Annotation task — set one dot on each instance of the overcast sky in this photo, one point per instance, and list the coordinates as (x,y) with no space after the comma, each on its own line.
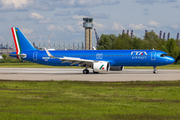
(62,19)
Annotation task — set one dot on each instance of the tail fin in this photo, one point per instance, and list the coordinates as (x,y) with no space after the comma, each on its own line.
(20,41)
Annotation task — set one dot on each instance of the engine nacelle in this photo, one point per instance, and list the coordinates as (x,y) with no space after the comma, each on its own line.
(101,66)
(116,68)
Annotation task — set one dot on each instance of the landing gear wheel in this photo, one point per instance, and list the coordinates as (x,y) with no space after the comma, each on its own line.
(95,72)
(155,72)
(85,71)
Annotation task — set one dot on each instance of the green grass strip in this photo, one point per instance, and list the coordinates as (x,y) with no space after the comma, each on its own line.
(89,100)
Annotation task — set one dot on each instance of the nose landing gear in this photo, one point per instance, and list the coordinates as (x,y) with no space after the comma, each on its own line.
(155,71)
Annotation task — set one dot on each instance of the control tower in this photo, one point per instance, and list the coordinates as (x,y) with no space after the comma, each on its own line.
(88,24)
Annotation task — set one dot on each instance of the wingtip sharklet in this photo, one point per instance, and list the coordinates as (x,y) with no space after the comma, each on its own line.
(48,53)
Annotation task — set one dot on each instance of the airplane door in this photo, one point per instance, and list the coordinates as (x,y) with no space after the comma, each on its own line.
(99,56)
(153,55)
(35,56)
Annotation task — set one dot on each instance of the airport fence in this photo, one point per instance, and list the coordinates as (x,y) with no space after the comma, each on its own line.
(7,48)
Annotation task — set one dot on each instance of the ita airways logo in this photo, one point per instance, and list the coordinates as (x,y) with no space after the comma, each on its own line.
(102,67)
(139,54)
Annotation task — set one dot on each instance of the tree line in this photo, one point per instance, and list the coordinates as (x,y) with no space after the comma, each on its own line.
(150,41)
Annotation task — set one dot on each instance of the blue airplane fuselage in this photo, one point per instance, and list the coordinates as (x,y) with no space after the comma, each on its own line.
(114,57)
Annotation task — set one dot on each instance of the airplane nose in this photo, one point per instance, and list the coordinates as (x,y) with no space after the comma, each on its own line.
(171,60)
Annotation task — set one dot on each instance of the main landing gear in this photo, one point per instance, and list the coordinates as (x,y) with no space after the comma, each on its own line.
(85,71)
(155,71)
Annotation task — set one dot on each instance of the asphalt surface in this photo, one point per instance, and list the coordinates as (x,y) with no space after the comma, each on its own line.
(48,74)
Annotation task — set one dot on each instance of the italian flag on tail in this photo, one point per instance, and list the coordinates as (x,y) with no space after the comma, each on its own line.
(16,41)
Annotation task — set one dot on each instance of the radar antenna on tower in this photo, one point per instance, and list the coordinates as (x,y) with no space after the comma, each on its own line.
(49,42)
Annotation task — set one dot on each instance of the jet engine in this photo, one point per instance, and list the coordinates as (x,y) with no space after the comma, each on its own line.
(101,66)
(116,68)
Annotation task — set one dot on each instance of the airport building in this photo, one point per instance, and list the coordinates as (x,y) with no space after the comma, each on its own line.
(88,25)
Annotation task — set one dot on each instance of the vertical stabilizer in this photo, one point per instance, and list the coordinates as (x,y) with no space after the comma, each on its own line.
(21,42)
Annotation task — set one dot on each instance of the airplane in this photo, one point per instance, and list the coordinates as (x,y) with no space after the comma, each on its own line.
(99,60)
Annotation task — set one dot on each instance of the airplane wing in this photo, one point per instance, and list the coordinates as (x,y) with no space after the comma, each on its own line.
(72,60)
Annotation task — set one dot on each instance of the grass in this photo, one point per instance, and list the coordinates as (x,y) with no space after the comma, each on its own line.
(89,100)
(34,65)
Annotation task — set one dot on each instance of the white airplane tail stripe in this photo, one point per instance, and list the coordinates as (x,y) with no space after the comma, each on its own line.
(16,41)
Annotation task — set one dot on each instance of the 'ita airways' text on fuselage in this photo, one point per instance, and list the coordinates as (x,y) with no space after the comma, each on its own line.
(98,60)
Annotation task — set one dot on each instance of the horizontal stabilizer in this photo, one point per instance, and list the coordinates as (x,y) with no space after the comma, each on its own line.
(19,55)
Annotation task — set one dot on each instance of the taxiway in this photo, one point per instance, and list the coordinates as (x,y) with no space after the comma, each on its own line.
(48,74)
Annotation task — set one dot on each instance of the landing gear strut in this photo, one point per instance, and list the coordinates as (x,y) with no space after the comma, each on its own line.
(155,71)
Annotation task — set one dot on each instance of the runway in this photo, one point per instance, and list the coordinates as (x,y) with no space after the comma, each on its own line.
(57,74)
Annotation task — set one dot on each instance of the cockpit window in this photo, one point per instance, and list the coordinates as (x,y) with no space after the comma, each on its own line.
(164,55)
